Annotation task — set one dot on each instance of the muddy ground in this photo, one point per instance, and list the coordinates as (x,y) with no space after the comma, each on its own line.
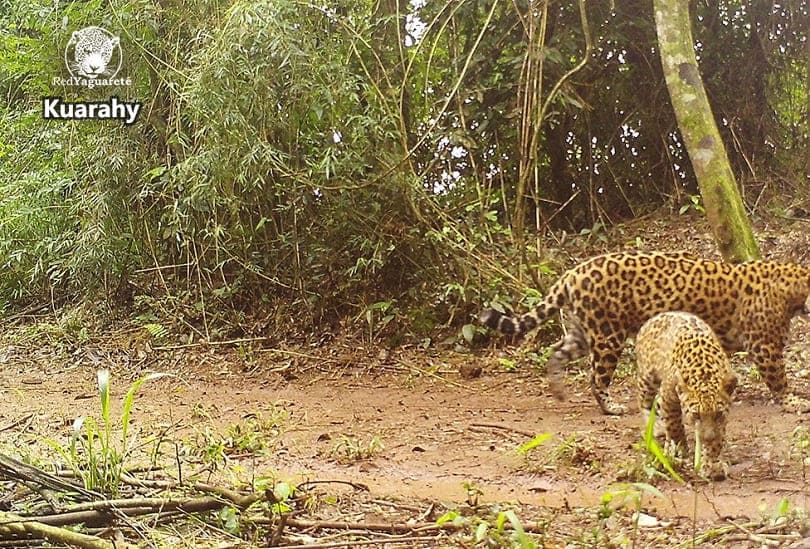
(409,428)
(387,436)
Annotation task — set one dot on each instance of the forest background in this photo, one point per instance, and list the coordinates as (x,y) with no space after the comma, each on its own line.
(385,164)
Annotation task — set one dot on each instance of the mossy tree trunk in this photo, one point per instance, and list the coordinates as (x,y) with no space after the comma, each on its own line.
(721,197)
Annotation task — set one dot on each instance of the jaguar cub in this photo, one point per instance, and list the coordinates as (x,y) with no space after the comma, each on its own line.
(680,354)
(607,298)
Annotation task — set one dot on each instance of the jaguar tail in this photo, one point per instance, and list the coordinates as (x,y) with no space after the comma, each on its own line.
(556,297)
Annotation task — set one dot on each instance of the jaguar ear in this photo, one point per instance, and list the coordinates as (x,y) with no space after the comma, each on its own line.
(730,383)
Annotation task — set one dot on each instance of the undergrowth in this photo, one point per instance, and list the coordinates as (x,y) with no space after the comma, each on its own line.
(100,449)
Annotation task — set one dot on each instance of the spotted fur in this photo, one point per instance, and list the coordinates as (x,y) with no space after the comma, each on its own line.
(92,51)
(606,299)
(680,354)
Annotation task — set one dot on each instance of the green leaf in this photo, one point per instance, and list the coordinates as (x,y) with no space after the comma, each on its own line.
(500,520)
(155,173)
(508,364)
(229,518)
(103,378)
(519,532)
(468,332)
(783,507)
(481,531)
(533,443)
(128,401)
(283,491)
(654,448)
(449,516)
(158,331)
(647,488)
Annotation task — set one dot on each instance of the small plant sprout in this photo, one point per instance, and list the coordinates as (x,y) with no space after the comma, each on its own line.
(378,315)
(453,517)
(96,453)
(783,512)
(504,530)
(157,331)
(624,495)
(540,439)
(800,448)
(349,449)
(498,535)
(279,494)
(527,451)
(256,434)
(473,493)
(693,204)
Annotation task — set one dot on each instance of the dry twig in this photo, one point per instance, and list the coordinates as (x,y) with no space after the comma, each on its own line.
(15,525)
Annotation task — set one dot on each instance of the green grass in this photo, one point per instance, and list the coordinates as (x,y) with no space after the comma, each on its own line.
(99,449)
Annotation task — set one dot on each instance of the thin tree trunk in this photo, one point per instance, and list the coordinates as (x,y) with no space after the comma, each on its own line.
(389,35)
(807,105)
(721,196)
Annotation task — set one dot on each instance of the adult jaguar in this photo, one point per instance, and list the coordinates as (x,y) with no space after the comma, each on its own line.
(607,298)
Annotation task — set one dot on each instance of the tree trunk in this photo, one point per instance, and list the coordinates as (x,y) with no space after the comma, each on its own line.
(389,36)
(807,106)
(721,197)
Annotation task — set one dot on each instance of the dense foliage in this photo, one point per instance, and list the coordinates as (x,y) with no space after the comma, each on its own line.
(345,157)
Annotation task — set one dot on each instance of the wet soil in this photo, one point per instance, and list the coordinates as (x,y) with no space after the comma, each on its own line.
(404,429)
(408,427)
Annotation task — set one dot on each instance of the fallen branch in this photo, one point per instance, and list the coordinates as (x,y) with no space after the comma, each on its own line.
(14,525)
(356,485)
(14,469)
(98,513)
(765,535)
(763,540)
(209,343)
(428,373)
(17,422)
(390,528)
(367,542)
(505,428)
(239,499)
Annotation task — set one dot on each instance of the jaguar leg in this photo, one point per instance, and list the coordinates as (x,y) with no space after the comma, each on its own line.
(711,427)
(672,414)
(648,384)
(571,347)
(603,366)
(769,360)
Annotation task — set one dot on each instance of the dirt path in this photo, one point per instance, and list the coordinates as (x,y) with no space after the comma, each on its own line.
(427,433)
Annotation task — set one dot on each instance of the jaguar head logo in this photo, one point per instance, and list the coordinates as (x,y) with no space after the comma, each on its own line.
(93,52)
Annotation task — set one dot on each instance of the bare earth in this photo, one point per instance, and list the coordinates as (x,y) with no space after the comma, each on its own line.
(415,438)
(438,433)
